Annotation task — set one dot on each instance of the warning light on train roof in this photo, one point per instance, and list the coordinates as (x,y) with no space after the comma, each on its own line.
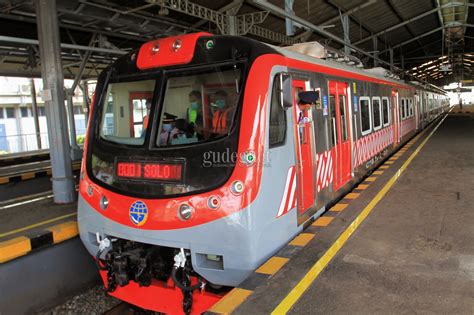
(155,48)
(210,44)
(170,51)
(177,45)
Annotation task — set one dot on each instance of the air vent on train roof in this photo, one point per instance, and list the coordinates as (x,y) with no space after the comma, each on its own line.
(320,51)
(383,72)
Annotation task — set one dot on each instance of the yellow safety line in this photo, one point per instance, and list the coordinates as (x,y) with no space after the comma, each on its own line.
(339,207)
(302,239)
(13,248)
(272,265)
(323,221)
(64,231)
(318,267)
(231,301)
(37,224)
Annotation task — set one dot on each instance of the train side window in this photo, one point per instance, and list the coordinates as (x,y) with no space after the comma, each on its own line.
(332,106)
(407,112)
(402,109)
(1,113)
(377,112)
(411,107)
(277,132)
(342,110)
(386,111)
(365,115)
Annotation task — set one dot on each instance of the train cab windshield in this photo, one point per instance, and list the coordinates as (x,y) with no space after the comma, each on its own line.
(197,106)
(166,122)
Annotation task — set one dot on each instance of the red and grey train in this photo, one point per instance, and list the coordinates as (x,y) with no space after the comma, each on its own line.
(175,209)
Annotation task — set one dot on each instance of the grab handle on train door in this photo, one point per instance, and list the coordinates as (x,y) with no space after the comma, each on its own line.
(334,131)
(355,127)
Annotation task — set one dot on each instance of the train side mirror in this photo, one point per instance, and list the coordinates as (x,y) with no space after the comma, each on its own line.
(284,88)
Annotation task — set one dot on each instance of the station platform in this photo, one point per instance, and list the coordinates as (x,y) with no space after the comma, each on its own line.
(33,224)
(400,242)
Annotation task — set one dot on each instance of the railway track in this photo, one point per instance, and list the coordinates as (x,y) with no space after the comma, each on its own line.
(127,309)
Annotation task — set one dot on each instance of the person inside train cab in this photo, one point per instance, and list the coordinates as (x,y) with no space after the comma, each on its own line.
(194,112)
(168,129)
(222,116)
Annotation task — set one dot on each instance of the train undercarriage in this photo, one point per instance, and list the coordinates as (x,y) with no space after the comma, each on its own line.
(155,278)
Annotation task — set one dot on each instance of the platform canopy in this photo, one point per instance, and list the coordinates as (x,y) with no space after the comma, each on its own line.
(430,39)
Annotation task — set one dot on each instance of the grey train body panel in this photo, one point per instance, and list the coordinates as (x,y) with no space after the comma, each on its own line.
(249,237)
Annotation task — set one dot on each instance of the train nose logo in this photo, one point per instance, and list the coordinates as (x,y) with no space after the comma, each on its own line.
(138,213)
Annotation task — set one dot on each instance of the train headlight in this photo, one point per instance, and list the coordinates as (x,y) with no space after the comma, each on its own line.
(214,202)
(155,49)
(185,212)
(237,187)
(104,203)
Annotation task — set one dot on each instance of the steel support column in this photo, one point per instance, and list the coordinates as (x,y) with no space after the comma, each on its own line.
(34,107)
(375,42)
(53,95)
(391,58)
(347,39)
(76,152)
(85,95)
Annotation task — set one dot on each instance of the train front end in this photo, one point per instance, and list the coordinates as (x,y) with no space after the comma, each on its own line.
(173,163)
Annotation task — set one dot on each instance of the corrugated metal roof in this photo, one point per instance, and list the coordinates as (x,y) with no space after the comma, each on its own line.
(126,31)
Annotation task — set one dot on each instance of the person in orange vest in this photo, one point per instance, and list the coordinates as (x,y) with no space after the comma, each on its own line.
(222,116)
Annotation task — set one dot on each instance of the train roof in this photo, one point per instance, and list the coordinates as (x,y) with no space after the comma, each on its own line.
(288,52)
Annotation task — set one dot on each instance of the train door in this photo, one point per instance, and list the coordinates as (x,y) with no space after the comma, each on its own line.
(342,155)
(304,136)
(415,111)
(396,117)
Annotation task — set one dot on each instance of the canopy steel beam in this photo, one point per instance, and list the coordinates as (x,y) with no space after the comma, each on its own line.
(353,10)
(36,42)
(65,24)
(352,17)
(414,39)
(113,8)
(281,12)
(407,27)
(410,20)
(245,23)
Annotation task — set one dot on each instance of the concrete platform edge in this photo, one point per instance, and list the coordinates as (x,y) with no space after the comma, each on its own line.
(46,278)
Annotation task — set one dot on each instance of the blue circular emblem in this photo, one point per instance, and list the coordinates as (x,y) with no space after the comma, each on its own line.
(138,213)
